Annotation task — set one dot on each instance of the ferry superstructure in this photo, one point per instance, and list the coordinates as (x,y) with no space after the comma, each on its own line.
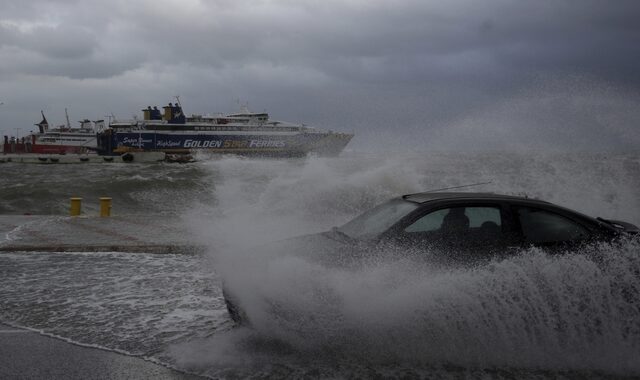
(246,133)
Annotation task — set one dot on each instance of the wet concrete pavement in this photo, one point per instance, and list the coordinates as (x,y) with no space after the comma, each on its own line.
(26,354)
(132,233)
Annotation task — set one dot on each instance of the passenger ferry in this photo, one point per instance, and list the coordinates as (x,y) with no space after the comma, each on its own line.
(58,140)
(245,133)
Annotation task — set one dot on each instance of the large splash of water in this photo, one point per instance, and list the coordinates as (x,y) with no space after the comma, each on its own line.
(533,310)
(576,311)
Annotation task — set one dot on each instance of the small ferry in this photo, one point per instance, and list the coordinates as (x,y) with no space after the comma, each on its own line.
(58,140)
(245,133)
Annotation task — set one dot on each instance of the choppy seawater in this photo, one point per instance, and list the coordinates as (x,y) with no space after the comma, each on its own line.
(534,315)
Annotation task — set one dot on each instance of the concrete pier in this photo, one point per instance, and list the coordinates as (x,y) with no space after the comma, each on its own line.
(132,233)
(32,158)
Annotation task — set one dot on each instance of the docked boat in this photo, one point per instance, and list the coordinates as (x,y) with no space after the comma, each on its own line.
(245,133)
(58,140)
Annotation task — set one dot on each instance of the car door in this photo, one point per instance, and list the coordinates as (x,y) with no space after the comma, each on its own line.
(553,230)
(458,232)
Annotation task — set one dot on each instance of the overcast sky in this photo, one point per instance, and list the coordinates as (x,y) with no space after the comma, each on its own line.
(422,74)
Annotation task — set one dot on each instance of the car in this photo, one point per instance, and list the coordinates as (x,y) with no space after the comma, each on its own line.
(451,228)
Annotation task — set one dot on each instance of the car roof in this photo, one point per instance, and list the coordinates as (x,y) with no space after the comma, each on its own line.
(437,196)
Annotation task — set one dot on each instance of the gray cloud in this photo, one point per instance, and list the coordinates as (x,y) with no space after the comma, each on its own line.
(62,42)
(421,66)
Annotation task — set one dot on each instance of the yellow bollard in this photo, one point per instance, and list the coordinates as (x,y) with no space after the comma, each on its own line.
(76,205)
(105,207)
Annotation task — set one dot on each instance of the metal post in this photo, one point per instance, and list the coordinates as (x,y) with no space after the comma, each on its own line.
(76,205)
(105,207)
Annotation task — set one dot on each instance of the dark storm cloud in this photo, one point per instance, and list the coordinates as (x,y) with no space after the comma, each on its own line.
(385,61)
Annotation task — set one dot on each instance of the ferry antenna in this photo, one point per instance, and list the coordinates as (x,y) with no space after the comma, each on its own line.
(66,115)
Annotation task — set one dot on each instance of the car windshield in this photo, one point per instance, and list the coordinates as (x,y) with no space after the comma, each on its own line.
(377,220)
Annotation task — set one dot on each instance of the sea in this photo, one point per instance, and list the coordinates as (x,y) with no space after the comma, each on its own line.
(530,316)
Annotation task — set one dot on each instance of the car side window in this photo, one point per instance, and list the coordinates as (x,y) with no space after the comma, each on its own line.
(429,222)
(483,215)
(459,225)
(541,226)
